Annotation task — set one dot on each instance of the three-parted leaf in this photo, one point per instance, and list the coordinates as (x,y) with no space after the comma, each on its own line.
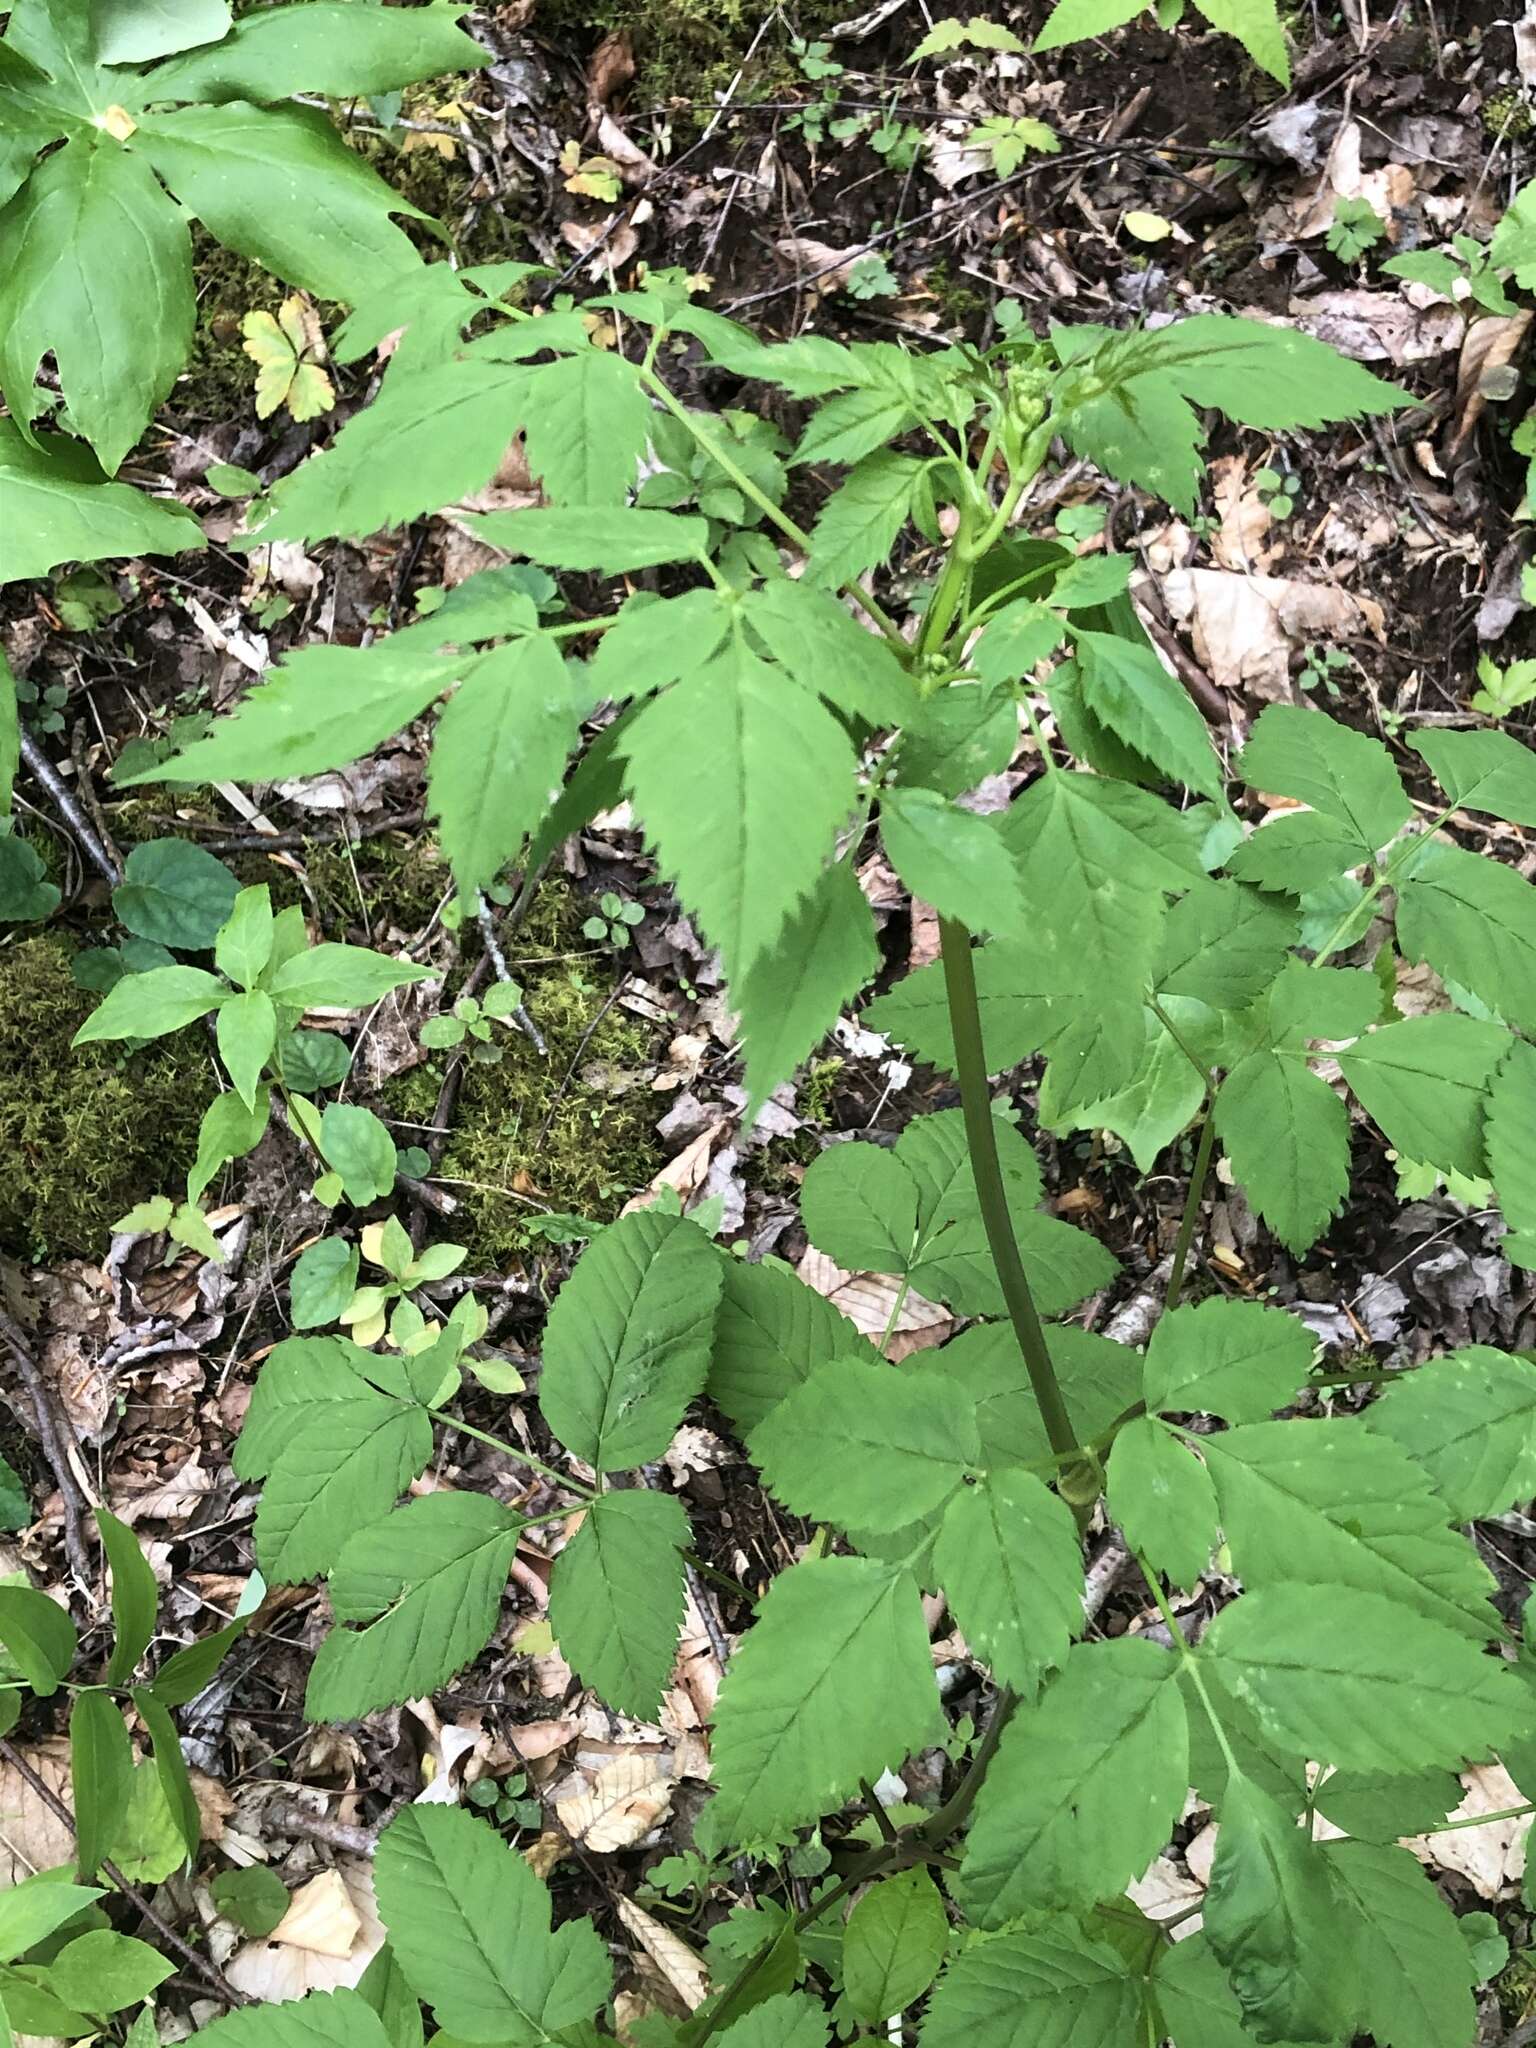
(626,1346)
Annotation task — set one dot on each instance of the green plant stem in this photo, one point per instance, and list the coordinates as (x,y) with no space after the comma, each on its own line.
(1190,1662)
(949,591)
(738,476)
(1191,1216)
(1480,1820)
(952,1815)
(515,1451)
(981,1137)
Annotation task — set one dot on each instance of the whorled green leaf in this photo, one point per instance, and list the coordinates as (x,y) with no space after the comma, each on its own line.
(153,1004)
(39,1635)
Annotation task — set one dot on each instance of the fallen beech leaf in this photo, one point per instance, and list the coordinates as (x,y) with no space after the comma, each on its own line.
(1245,627)
(627,1799)
(32,1837)
(672,1956)
(278,1969)
(867,1299)
(1492,1857)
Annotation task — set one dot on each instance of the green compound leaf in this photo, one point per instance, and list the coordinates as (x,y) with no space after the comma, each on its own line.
(1085,1787)
(1294,852)
(135,1597)
(786,1750)
(859,1206)
(1346,775)
(1415,1969)
(1126,687)
(893,1945)
(336,1451)
(1099,1381)
(793,995)
(1194,1998)
(1155,1105)
(1048,1987)
(470,1926)
(320,48)
(1470,1421)
(815,641)
(279,185)
(1236,1359)
(771,1332)
(952,859)
(1491,772)
(1223,946)
(1383,1806)
(1353,1679)
(616,1598)
(1096,856)
(595,537)
(957,738)
(325,2019)
(432,436)
(1257,26)
(1162,1498)
(788,2020)
(1425,1082)
(99,269)
(1009,1560)
(626,1346)
(1511,1117)
(426,1584)
(743,784)
(498,757)
(860,521)
(1271,1918)
(1287,1135)
(587,427)
(867,1445)
(1332,1503)
(1474,921)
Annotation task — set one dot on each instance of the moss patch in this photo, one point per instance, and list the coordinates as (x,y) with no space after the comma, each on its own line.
(598,1147)
(692,49)
(84,1135)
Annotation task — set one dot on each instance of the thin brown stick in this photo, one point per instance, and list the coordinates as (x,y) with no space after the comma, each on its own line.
(51,1435)
(208,1971)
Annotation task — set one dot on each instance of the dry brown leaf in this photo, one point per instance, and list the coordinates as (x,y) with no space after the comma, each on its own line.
(1245,627)
(1163,1890)
(1385,189)
(1490,348)
(1492,1857)
(673,1957)
(686,1173)
(626,1800)
(1238,543)
(32,1837)
(867,1299)
(279,1969)
(321,1917)
(1376,327)
(535,1739)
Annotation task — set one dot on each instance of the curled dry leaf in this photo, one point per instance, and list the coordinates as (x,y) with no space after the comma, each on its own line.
(282,1968)
(1376,327)
(1245,627)
(1491,1857)
(628,1797)
(867,1299)
(32,1837)
(681,1968)
(1485,365)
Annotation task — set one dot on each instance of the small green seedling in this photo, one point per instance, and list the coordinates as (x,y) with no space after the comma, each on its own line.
(615,920)
(472,1018)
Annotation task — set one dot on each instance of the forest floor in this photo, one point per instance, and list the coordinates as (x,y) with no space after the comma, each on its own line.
(819,181)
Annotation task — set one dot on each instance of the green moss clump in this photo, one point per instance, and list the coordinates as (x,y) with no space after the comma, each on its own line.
(692,49)
(84,1135)
(499,1161)
(1507,113)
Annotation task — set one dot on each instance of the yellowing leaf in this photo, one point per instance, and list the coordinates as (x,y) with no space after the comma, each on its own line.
(288,352)
(1147,227)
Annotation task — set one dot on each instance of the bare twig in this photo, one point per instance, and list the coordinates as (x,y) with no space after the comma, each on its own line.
(208,1971)
(52,1436)
(62,797)
(520,1016)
